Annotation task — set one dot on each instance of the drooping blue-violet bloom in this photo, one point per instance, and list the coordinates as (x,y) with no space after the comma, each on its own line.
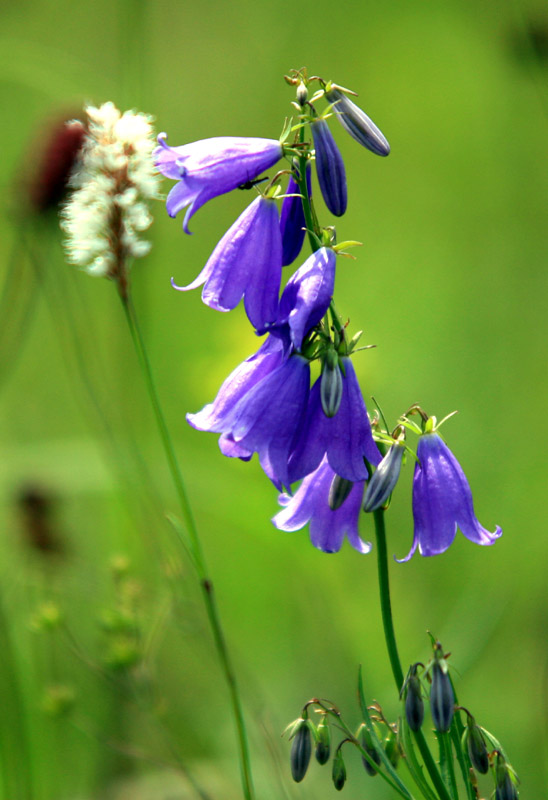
(442,501)
(210,167)
(310,504)
(217,416)
(247,262)
(357,123)
(305,298)
(292,221)
(346,438)
(329,167)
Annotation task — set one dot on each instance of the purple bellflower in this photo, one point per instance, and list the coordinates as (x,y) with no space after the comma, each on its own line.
(305,298)
(330,168)
(357,123)
(345,438)
(246,262)
(292,221)
(442,501)
(210,167)
(218,415)
(310,505)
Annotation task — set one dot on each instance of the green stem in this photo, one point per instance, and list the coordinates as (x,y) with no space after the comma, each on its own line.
(390,637)
(198,558)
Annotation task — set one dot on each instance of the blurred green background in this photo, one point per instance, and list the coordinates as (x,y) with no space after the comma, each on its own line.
(451,285)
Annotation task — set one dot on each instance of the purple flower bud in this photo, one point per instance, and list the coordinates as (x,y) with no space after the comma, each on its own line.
(338,773)
(384,478)
(301,751)
(505,787)
(371,750)
(477,749)
(210,167)
(442,501)
(330,168)
(310,505)
(357,123)
(346,438)
(331,387)
(247,262)
(414,704)
(292,221)
(338,492)
(442,699)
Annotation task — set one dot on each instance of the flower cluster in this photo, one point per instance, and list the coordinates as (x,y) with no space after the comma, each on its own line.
(319,434)
(113,181)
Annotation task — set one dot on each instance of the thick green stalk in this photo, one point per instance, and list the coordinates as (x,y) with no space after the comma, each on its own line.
(197,553)
(390,637)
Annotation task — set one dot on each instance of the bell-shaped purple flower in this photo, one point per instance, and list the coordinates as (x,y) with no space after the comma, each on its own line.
(357,123)
(346,438)
(267,418)
(330,168)
(247,263)
(218,415)
(305,298)
(310,505)
(442,501)
(210,167)
(292,221)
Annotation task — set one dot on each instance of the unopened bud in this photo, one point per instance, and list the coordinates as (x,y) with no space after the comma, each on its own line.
(371,750)
(339,771)
(442,699)
(302,94)
(323,742)
(392,748)
(357,123)
(384,479)
(477,749)
(301,751)
(331,387)
(414,704)
(338,492)
(330,168)
(505,787)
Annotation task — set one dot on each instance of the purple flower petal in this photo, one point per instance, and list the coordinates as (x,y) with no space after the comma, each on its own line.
(247,262)
(217,416)
(442,501)
(310,504)
(346,438)
(267,417)
(211,167)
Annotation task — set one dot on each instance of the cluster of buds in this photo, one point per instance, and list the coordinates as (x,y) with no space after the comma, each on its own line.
(376,740)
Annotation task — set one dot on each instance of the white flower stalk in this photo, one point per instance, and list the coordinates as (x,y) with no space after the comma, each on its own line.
(113,181)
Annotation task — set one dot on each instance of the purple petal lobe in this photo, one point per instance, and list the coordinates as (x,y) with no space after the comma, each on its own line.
(310,505)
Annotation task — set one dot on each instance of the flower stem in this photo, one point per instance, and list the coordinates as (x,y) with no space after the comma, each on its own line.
(197,553)
(390,637)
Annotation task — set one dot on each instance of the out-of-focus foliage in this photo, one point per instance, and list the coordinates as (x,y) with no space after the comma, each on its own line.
(451,285)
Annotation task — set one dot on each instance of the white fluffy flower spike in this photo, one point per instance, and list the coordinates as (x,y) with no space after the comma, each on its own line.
(113,181)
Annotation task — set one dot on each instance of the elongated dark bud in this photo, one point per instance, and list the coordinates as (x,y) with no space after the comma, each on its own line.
(301,751)
(357,123)
(442,699)
(323,742)
(330,168)
(338,492)
(371,750)
(505,787)
(414,704)
(338,774)
(331,386)
(384,479)
(477,749)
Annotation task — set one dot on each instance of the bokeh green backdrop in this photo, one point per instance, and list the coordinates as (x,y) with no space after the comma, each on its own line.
(450,284)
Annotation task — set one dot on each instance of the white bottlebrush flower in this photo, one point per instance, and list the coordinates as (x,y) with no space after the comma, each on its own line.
(114,179)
